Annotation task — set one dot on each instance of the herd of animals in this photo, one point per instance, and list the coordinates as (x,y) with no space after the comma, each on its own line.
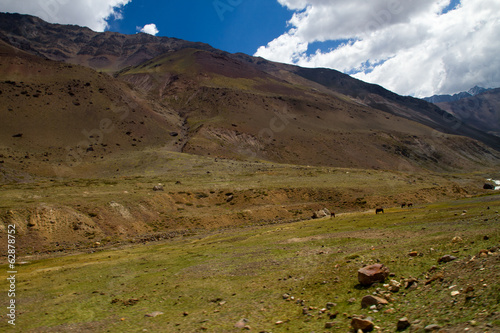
(325,212)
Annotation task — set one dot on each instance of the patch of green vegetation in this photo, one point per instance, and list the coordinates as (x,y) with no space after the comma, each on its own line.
(210,281)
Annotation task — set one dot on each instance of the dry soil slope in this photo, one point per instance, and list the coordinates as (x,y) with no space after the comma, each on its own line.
(234,109)
(238,106)
(57,116)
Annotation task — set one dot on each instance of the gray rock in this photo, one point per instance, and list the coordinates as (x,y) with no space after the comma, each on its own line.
(446,258)
(431,328)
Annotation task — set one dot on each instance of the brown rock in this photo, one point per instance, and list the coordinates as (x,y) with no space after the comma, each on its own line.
(374,273)
(403,324)
(365,325)
(370,300)
(438,276)
(329,325)
(413,254)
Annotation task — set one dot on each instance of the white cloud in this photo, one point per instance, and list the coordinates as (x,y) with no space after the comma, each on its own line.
(89,13)
(407,46)
(149,29)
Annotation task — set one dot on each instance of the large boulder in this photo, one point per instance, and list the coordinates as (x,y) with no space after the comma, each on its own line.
(369,275)
(489,186)
(321,213)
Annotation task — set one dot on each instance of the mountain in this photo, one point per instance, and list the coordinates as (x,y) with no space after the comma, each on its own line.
(452,98)
(481,111)
(65,116)
(107,51)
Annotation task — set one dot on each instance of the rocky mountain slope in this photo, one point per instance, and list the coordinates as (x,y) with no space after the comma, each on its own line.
(168,94)
(481,111)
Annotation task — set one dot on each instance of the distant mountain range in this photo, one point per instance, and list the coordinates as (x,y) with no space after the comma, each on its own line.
(73,97)
(452,98)
(481,109)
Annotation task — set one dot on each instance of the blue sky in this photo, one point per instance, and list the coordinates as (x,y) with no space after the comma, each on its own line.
(412,47)
(233,28)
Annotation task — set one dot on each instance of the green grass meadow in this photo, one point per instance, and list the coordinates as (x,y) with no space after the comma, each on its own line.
(209,281)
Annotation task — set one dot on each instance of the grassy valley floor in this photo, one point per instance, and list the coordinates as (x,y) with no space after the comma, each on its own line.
(277,278)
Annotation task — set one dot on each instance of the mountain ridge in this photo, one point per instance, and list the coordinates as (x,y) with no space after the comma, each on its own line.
(476,90)
(212,103)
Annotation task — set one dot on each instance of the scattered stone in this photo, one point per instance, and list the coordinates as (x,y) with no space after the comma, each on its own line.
(411,283)
(413,254)
(153,314)
(446,258)
(433,327)
(371,274)
(279,322)
(370,300)
(483,253)
(158,187)
(333,315)
(129,302)
(364,325)
(469,289)
(330,305)
(185,313)
(351,300)
(403,324)
(438,276)
(394,286)
(457,239)
(329,325)
(286,296)
(241,323)
(321,213)
(455,293)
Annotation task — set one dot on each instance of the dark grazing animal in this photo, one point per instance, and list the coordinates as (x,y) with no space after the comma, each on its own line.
(410,205)
(379,210)
(403,205)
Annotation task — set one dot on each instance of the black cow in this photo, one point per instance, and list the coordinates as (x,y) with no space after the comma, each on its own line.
(379,210)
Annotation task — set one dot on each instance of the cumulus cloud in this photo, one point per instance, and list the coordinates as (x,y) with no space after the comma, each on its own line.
(412,47)
(89,13)
(149,29)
